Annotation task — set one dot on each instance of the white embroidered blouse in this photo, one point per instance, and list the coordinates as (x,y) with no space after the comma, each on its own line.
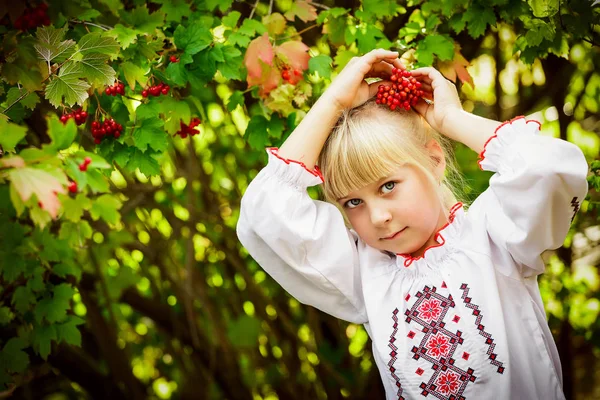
(466,320)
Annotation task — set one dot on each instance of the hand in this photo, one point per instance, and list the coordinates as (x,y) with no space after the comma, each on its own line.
(349,89)
(442,92)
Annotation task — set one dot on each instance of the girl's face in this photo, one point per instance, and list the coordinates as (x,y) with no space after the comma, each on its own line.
(400,213)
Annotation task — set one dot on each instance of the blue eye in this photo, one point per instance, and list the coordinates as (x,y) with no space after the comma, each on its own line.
(352,203)
(389,185)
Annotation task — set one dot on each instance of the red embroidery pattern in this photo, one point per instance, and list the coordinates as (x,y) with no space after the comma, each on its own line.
(394,353)
(575,205)
(438,346)
(488,338)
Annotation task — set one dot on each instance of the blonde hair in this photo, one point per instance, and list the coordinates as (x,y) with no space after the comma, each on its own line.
(370,142)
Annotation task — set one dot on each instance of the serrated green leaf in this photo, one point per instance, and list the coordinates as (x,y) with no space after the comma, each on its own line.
(42,337)
(544,8)
(14,359)
(478,18)
(6,315)
(148,110)
(10,135)
(144,161)
(29,78)
(68,331)
(30,100)
(174,111)
(50,45)
(193,39)
(106,207)
(236,99)
(95,69)
(68,85)
(74,207)
(13,269)
(22,298)
(238,39)
(250,27)
(68,267)
(151,133)
(175,10)
(141,19)
(134,74)
(231,19)
(89,15)
(125,36)
(177,73)
(96,42)
(97,182)
(256,132)
(320,64)
(62,135)
(439,45)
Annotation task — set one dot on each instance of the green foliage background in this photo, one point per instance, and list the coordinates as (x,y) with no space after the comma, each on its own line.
(136,286)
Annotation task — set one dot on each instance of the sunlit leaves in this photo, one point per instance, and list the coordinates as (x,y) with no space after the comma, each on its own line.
(303,10)
(10,134)
(144,21)
(50,45)
(478,18)
(134,73)
(150,133)
(106,207)
(439,45)
(62,135)
(192,39)
(68,85)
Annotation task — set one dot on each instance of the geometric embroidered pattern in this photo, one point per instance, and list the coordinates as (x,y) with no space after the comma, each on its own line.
(394,353)
(575,205)
(488,338)
(438,346)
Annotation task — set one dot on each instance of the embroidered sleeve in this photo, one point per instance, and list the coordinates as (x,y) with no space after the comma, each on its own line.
(302,243)
(535,192)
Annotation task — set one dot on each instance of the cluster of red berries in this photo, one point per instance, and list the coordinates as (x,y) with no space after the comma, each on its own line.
(292,76)
(78,115)
(174,59)
(156,90)
(84,165)
(33,17)
(115,89)
(73,185)
(189,129)
(404,92)
(107,128)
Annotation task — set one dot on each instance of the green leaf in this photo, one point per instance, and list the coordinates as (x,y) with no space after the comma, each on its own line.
(439,45)
(67,85)
(367,38)
(177,73)
(148,110)
(62,135)
(95,69)
(106,207)
(144,161)
(238,39)
(175,10)
(14,359)
(478,18)
(30,100)
(22,298)
(133,74)
(151,133)
(29,78)
(320,64)
(68,267)
(97,182)
(231,19)
(11,271)
(10,135)
(250,27)
(175,111)
(276,126)
(125,36)
(193,39)
(544,8)
(380,8)
(89,15)
(236,99)
(68,331)
(96,42)
(50,45)
(42,337)
(74,207)
(6,316)
(75,234)
(141,19)
(256,132)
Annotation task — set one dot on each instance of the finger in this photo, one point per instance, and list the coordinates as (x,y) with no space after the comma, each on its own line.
(378,55)
(381,69)
(428,95)
(430,75)
(426,87)
(374,87)
(421,107)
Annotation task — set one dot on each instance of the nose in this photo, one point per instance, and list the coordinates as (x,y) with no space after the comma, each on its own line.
(380,216)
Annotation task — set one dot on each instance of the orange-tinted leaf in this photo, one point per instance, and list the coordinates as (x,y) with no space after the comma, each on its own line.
(460,65)
(303,10)
(447,69)
(28,181)
(295,54)
(275,23)
(259,53)
(15,162)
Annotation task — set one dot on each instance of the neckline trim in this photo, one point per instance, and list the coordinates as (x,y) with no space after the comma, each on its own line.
(409,259)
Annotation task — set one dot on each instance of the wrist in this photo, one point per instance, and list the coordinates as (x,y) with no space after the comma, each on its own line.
(471,130)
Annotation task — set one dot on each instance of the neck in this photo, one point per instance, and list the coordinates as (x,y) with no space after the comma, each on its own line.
(442,221)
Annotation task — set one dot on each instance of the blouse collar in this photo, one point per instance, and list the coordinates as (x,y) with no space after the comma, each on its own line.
(445,234)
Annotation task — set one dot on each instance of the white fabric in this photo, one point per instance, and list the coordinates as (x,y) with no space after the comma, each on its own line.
(480,285)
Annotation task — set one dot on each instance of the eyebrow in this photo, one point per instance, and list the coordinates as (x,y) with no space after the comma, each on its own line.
(379,183)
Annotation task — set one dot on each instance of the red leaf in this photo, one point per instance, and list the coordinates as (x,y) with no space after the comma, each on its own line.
(259,53)
(295,54)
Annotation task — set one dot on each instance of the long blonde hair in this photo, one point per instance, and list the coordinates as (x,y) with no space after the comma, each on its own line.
(370,142)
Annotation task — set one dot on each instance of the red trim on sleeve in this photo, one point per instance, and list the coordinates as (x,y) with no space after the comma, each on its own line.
(482,154)
(408,259)
(316,171)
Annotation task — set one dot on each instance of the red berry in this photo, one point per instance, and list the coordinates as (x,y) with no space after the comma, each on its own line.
(144,93)
(285,74)
(64,119)
(87,161)
(73,187)
(165,90)
(173,59)
(83,167)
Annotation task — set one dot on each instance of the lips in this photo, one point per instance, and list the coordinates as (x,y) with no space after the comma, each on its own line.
(395,235)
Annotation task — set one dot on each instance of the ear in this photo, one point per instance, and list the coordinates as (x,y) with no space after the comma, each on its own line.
(437,154)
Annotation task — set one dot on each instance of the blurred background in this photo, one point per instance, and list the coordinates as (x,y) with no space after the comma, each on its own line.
(126,280)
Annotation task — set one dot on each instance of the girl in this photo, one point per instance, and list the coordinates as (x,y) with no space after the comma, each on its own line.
(449,298)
